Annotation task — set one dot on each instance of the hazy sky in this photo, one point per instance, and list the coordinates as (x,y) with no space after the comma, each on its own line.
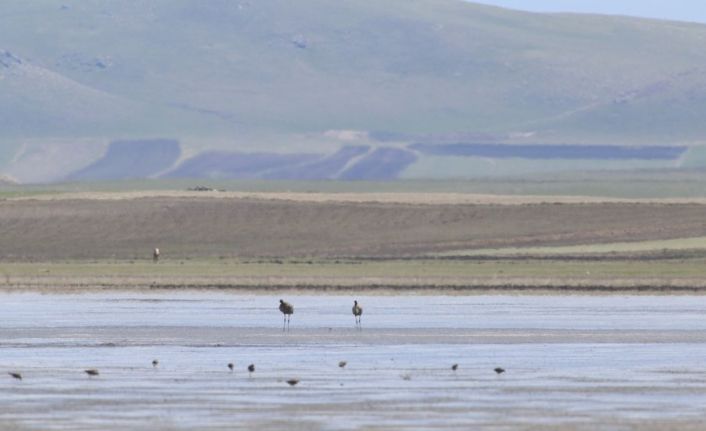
(681,10)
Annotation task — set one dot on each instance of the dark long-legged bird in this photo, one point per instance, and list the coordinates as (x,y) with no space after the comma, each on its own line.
(357,313)
(287,309)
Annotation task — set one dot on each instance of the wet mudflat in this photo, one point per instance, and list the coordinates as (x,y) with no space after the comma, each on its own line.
(572,362)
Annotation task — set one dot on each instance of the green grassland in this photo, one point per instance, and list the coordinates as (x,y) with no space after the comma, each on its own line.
(617,184)
(668,245)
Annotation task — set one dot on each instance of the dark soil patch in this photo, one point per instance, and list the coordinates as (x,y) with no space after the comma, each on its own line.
(538,151)
(188,227)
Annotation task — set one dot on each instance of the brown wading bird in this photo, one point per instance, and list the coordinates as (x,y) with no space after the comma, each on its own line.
(287,309)
(91,372)
(357,313)
(292,382)
(17,376)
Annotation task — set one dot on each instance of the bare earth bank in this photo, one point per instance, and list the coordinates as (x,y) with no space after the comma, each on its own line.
(187,226)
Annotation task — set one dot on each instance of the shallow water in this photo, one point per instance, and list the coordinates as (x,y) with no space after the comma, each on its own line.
(572,361)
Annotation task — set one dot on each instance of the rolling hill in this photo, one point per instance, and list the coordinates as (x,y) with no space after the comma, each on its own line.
(313,77)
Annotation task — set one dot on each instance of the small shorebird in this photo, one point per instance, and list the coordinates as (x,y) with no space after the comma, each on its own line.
(454,367)
(17,376)
(292,382)
(251,368)
(155,362)
(230,366)
(342,364)
(287,309)
(91,372)
(499,370)
(357,313)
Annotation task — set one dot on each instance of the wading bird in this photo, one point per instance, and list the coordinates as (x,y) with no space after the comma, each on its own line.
(155,255)
(251,369)
(357,313)
(287,310)
(454,367)
(17,376)
(230,366)
(155,363)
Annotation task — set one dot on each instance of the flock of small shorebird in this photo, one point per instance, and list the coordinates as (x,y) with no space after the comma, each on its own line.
(287,310)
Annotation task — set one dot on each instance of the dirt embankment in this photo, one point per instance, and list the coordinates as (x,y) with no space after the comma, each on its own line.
(192,227)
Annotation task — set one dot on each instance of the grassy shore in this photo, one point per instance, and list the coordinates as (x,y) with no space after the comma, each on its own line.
(382,242)
(647,184)
(456,275)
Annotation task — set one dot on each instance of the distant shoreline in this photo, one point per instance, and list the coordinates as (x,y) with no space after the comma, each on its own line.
(64,286)
(417,198)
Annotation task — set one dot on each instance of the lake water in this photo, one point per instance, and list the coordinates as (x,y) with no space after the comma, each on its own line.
(572,362)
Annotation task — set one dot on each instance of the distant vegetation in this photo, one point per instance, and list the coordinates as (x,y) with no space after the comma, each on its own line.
(156,159)
(228,165)
(131,159)
(381,164)
(638,184)
(578,152)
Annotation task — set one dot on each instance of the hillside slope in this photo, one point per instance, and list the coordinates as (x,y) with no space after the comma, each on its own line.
(281,75)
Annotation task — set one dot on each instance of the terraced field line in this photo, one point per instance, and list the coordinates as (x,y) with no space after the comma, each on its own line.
(694,243)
